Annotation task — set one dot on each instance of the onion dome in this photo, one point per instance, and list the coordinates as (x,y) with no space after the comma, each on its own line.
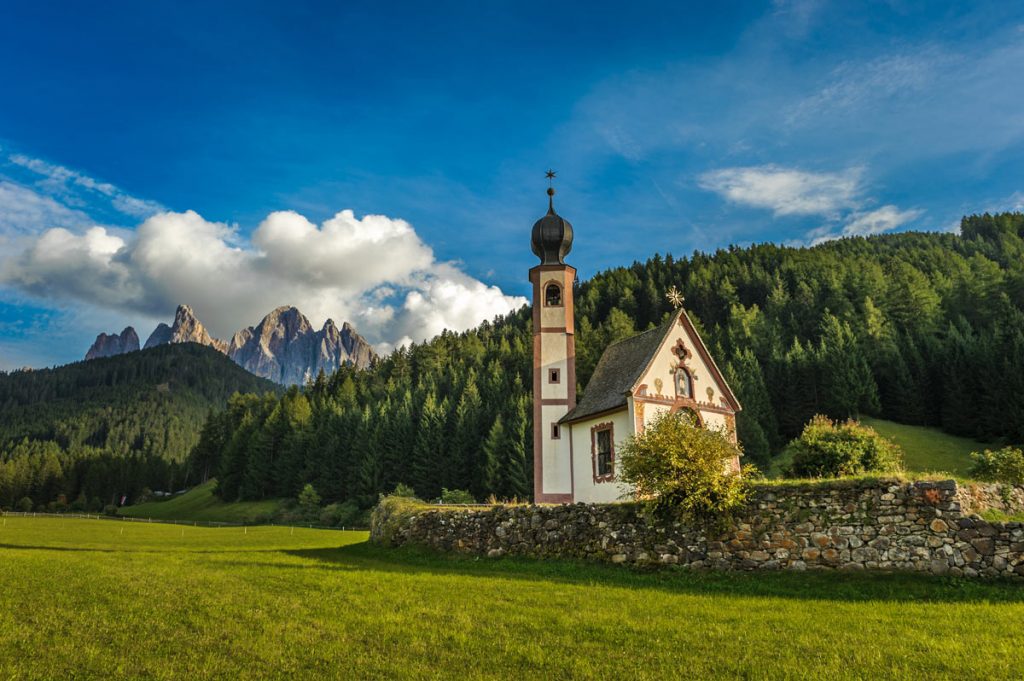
(552,236)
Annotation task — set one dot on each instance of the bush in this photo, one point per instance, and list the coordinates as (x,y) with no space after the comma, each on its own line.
(338,515)
(404,490)
(826,449)
(388,516)
(1003,465)
(80,504)
(678,467)
(456,496)
(25,505)
(110,509)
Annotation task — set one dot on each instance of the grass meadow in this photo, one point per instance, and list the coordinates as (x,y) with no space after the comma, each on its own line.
(199,503)
(928,450)
(116,599)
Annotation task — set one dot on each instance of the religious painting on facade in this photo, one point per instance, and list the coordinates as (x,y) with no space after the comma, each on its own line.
(684,383)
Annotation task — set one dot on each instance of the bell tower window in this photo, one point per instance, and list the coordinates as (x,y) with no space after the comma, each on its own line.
(553,295)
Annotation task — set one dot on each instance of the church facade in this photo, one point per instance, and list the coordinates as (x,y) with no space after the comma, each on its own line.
(667,368)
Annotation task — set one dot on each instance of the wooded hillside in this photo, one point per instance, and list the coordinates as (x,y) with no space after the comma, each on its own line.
(110,426)
(920,328)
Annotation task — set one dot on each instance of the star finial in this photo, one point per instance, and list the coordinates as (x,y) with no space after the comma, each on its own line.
(550,174)
(675,297)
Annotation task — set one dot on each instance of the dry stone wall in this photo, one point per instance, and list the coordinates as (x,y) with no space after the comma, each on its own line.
(876,525)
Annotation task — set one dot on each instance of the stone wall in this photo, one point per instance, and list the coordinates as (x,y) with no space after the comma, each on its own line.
(976,497)
(870,525)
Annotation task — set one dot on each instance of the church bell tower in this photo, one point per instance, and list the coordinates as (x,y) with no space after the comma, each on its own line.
(554,356)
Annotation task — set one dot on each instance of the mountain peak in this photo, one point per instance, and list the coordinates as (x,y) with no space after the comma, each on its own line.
(186,329)
(283,347)
(108,345)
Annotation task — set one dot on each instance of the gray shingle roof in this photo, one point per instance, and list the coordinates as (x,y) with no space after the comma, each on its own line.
(618,370)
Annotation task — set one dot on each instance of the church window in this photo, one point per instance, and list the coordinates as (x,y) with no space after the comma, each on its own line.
(684,383)
(690,414)
(556,431)
(554,376)
(604,452)
(553,295)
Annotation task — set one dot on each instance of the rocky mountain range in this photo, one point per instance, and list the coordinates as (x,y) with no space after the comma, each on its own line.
(283,347)
(108,345)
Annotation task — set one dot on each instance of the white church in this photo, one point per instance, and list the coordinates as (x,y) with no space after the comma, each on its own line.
(667,368)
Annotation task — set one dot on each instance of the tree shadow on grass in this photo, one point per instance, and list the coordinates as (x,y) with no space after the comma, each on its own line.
(811,585)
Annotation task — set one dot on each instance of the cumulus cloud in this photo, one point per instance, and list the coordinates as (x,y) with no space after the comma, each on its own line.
(785,191)
(373,271)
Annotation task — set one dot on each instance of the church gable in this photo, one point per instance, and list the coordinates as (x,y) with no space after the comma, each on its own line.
(682,370)
(616,373)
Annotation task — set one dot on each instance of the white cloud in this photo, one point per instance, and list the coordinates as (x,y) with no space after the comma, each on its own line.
(884,219)
(854,86)
(1017,201)
(865,223)
(373,271)
(66,183)
(24,211)
(785,191)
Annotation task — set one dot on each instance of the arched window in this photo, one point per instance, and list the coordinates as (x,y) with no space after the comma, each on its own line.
(690,414)
(553,295)
(684,383)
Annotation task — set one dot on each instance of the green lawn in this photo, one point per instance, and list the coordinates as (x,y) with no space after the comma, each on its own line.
(929,450)
(199,503)
(110,599)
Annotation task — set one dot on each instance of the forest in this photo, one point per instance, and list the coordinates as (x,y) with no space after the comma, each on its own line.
(919,328)
(91,432)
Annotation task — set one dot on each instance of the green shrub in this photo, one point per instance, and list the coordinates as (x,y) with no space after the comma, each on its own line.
(25,505)
(677,467)
(456,496)
(404,490)
(110,509)
(826,449)
(388,516)
(338,515)
(1002,465)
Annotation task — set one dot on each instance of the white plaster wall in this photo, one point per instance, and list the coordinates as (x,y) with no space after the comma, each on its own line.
(556,462)
(585,489)
(553,352)
(664,360)
(551,317)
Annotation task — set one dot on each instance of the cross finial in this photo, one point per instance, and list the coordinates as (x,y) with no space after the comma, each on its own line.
(675,297)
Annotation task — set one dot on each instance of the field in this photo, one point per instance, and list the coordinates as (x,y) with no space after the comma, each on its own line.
(929,450)
(199,503)
(113,599)
(926,451)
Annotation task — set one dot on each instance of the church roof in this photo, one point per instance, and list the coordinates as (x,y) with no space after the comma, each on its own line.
(618,370)
(625,362)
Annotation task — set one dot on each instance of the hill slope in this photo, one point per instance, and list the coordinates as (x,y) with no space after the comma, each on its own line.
(918,328)
(929,450)
(199,503)
(112,425)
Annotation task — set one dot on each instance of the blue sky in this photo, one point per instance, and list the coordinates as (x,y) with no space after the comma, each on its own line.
(149,152)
